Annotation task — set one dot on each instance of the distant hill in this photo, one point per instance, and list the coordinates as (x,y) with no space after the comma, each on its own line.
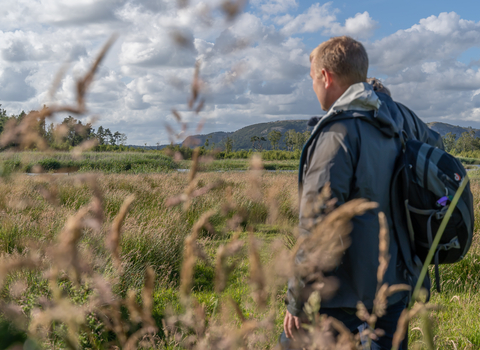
(241,137)
(199,140)
(444,128)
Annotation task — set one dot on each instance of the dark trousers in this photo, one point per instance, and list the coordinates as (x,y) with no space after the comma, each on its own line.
(348,316)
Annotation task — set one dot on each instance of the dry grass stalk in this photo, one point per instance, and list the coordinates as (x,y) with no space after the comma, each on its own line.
(330,237)
(50,194)
(203,222)
(418,308)
(177,115)
(195,164)
(380,303)
(257,276)
(322,203)
(222,268)
(237,309)
(84,84)
(191,192)
(96,203)
(181,40)
(200,125)
(196,85)
(107,307)
(273,205)
(345,340)
(16,262)
(383,257)
(133,309)
(233,8)
(190,254)
(289,239)
(66,253)
(63,311)
(26,134)
(255,178)
(199,107)
(83,147)
(147,297)
(113,239)
(323,249)
(57,80)
(131,343)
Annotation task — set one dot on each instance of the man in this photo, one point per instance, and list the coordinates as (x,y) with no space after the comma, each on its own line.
(354,148)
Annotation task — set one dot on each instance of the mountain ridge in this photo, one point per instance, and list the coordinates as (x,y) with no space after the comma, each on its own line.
(241,137)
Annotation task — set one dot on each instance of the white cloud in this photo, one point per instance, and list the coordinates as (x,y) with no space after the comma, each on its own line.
(315,18)
(253,69)
(14,86)
(72,13)
(422,70)
(272,7)
(360,26)
(434,38)
(323,18)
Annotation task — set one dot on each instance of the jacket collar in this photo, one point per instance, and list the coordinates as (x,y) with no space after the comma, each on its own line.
(360,97)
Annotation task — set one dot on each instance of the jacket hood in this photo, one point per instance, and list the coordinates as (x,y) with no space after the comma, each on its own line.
(360,97)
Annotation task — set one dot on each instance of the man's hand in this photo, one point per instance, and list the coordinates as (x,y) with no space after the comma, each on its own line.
(290,323)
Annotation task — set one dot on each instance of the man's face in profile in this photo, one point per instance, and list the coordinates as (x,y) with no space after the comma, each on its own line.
(318,84)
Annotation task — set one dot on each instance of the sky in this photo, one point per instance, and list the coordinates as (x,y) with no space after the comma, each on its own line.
(253,68)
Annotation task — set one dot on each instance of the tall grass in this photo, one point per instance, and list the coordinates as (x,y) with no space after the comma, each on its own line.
(153,236)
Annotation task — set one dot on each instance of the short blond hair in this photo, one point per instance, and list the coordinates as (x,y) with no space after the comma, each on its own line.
(342,56)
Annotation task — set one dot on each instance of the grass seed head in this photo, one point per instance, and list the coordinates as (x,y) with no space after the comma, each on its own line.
(257,276)
(383,257)
(113,239)
(222,268)
(147,297)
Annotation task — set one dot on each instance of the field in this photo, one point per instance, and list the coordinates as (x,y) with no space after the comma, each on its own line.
(68,162)
(244,209)
(141,162)
(121,162)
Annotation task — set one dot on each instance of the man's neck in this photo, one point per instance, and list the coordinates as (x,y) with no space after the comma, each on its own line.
(334,94)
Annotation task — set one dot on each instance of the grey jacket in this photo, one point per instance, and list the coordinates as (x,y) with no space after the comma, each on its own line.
(354,148)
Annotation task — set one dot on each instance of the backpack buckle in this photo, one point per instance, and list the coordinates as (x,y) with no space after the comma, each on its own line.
(453,244)
(441,213)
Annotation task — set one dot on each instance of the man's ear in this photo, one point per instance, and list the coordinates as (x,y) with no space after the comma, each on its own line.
(327,78)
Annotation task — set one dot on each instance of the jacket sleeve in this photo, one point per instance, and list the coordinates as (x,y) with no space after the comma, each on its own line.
(330,161)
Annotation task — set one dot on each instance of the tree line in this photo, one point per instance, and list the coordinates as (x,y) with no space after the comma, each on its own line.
(69,133)
(467,144)
(294,140)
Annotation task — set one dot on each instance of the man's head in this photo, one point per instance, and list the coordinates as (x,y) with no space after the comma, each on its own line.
(335,65)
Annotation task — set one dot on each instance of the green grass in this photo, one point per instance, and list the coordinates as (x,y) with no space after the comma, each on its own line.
(121,162)
(106,162)
(153,236)
(456,325)
(469,161)
(241,164)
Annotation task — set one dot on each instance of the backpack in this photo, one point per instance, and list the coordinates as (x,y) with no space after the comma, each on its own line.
(424,183)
